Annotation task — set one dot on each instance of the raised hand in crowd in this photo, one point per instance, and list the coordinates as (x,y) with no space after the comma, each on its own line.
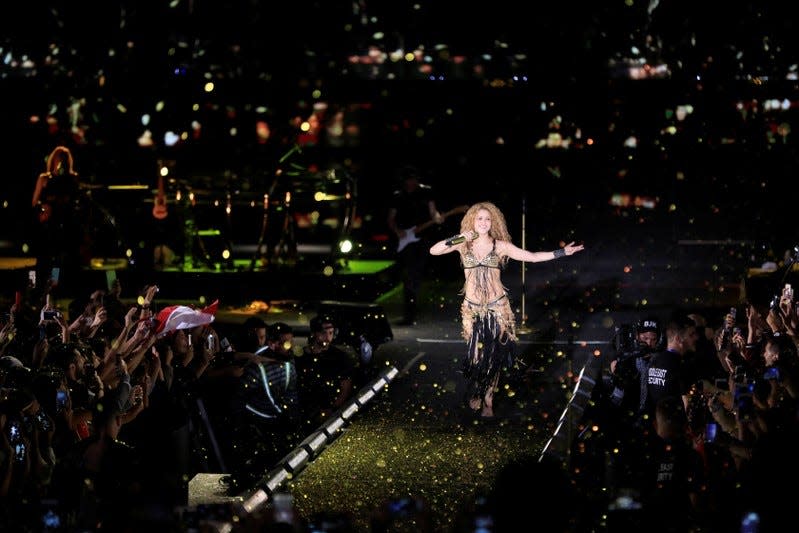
(756,325)
(137,402)
(775,320)
(147,298)
(209,348)
(788,311)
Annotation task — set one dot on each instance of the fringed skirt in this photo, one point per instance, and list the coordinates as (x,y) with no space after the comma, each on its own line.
(490,333)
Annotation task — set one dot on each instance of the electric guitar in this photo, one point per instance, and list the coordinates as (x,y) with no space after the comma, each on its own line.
(412,234)
(159,207)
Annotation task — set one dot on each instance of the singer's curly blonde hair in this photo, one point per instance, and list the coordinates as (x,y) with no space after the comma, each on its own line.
(499,228)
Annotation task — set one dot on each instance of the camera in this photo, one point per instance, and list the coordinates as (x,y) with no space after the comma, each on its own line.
(626,344)
(771,372)
(50,315)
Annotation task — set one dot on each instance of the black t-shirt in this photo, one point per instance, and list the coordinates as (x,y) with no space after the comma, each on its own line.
(676,472)
(320,376)
(665,377)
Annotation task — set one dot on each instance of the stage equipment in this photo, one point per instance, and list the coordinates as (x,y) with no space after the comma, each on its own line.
(293,462)
(523,328)
(559,444)
(315,442)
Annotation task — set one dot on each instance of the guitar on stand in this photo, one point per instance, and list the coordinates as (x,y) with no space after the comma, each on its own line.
(160,211)
(162,255)
(412,234)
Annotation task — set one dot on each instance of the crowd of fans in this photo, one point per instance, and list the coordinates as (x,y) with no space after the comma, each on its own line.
(696,424)
(106,415)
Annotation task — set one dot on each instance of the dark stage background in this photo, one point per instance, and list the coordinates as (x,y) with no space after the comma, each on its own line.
(568,108)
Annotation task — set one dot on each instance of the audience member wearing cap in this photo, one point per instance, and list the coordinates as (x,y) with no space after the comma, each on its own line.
(327,371)
(628,401)
(649,332)
(633,371)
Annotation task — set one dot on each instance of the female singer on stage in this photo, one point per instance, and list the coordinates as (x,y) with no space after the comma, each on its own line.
(489,325)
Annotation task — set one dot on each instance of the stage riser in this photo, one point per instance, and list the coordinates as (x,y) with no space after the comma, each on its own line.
(230,288)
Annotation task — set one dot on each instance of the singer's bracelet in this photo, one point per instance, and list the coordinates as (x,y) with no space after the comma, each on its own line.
(560,252)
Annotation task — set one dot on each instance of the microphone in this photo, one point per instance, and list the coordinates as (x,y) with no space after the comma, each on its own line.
(457,239)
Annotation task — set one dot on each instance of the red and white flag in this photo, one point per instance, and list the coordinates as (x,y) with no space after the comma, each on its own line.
(177,317)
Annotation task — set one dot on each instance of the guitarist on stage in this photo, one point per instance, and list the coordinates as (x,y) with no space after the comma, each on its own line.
(412,205)
(59,239)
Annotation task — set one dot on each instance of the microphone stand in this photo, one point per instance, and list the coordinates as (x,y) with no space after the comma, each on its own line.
(523,327)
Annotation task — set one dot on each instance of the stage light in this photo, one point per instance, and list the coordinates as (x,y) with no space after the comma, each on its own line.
(350,410)
(276,479)
(377,385)
(171,138)
(254,501)
(365,396)
(334,425)
(345,246)
(297,458)
(315,442)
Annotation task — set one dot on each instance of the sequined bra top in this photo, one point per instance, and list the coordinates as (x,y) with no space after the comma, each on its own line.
(491,260)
